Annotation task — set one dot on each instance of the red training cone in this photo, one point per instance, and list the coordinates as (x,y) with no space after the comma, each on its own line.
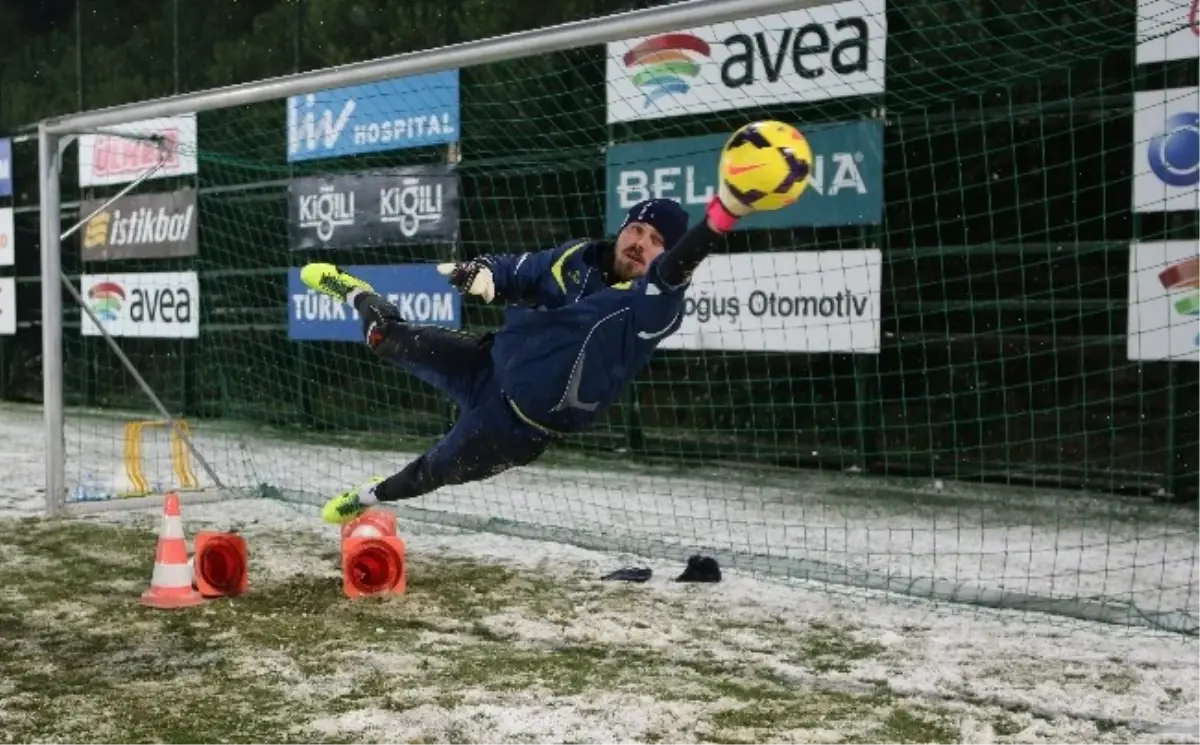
(373,566)
(221,564)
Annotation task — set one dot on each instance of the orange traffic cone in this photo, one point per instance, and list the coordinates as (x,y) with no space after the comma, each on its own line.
(221,564)
(171,583)
(373,566)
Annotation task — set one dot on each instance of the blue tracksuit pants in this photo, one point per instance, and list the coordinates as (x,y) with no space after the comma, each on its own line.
(488,437)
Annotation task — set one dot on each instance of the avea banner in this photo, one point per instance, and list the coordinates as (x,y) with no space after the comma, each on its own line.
(151,305)
(417,290)
(815,54)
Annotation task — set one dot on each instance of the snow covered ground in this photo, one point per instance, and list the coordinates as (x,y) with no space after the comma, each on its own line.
(1048,671)
(1044,543)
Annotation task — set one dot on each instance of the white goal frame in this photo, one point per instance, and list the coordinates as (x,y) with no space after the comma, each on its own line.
(55,134)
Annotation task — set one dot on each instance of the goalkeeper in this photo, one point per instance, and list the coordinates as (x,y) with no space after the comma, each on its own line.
(583,319)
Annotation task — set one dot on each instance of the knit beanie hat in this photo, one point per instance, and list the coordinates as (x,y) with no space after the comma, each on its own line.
(664,215)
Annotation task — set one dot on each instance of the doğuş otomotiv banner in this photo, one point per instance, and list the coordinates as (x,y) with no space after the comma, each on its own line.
(800,301)
(421,294)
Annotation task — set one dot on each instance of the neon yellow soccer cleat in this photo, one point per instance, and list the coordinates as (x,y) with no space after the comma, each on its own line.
(332,281)
(346,506)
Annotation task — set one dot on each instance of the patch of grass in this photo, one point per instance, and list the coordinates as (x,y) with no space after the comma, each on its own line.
(87,662)
(806,715)
(1117,682)
(1006,726)
(46,562)
(909,724)
(563,670)
(826,648)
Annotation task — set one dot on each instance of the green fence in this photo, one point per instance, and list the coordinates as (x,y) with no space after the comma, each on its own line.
(1008,147)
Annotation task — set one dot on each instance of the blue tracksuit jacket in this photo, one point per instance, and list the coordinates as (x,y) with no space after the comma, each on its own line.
(571,343)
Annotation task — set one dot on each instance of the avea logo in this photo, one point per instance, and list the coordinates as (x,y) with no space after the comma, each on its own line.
(106,299)
(1183,281)
(664,64)
(308,129)
(1174,153)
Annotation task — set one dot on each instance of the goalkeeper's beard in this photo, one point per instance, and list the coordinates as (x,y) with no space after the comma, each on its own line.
(625,268)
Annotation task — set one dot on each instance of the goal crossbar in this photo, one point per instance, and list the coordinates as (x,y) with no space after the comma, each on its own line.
(590,32)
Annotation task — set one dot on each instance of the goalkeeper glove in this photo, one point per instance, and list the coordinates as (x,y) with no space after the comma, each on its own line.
(732,205)
(471,277)
(725,209)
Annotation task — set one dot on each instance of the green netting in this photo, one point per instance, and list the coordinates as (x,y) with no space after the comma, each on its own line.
(1000,448)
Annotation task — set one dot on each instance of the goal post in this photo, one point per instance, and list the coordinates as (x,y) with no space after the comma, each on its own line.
(919,383)
(49,163)
(55,134)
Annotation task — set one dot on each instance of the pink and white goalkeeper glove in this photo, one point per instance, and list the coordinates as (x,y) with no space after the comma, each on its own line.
(724,212)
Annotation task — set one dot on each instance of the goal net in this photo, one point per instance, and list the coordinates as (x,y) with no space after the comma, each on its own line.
(961,367)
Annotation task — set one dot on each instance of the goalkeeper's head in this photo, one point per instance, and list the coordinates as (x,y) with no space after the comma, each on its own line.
(650,227)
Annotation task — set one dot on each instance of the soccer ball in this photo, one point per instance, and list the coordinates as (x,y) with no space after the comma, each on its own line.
(765,165)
